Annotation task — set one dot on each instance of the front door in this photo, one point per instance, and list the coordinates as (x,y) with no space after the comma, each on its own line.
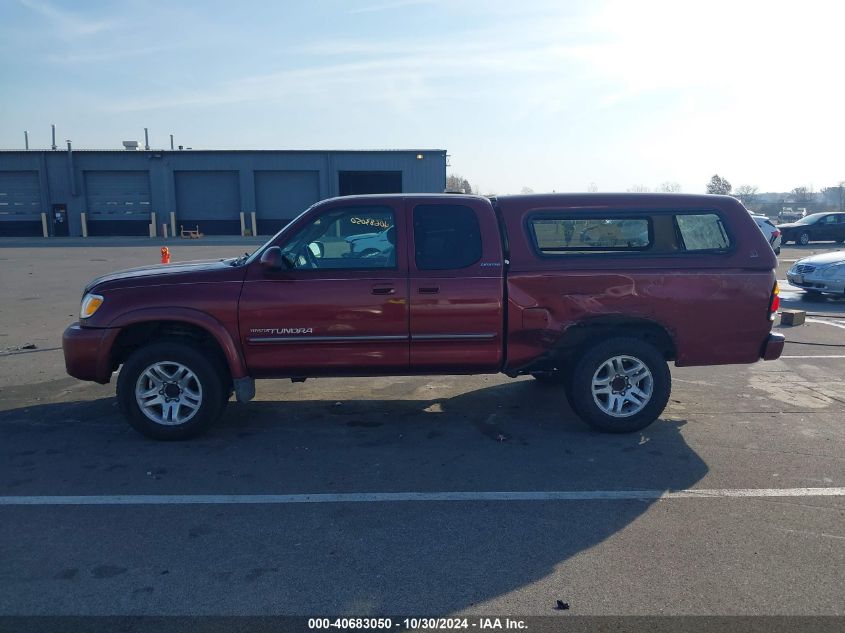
(60,226)
(343,306)
(456,272)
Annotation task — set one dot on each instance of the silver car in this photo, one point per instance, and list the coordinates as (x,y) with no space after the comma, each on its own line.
(824,273)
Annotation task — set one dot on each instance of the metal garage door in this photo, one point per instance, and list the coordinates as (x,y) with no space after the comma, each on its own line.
(20,203)
(210,200)
(280,196)
(118,202)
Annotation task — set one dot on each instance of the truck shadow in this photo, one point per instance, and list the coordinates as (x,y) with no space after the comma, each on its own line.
(413,558)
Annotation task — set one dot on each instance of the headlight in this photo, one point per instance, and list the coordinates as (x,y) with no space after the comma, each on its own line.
(837,270)
(90,304)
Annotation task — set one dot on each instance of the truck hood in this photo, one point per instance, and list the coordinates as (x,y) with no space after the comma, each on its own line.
(164,271)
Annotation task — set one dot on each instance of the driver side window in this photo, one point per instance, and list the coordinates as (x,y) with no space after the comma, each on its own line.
(346,238)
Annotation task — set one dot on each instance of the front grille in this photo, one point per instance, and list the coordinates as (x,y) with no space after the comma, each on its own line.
(803,269)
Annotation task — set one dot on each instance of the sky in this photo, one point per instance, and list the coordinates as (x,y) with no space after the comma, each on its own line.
(549,95)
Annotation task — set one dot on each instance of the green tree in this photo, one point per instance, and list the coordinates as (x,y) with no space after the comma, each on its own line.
(719,185)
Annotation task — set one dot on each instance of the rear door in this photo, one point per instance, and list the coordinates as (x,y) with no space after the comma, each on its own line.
(456,273)
(338,311)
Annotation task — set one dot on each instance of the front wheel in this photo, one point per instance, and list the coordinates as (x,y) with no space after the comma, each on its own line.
(804,238)
(171,390)
(620,385)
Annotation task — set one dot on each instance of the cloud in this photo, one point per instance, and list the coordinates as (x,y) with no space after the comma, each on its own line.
(67,23)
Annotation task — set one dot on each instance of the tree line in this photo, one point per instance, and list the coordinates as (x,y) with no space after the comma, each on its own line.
(828,197)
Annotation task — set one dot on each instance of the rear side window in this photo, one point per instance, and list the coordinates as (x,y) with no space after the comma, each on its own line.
(446,237)
(702,232)
(555,236)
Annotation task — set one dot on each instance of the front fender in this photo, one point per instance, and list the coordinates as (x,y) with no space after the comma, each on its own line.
(231,349)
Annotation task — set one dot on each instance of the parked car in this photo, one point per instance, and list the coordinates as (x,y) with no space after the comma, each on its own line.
(365,244)
(771,232)
(818,227)
(817,274)
(470,285)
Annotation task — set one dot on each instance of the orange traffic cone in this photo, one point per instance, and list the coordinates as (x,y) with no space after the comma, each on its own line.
(165,255)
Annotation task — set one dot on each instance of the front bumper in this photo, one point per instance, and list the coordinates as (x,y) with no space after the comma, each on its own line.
(817,283)
(87,352)
(773,347)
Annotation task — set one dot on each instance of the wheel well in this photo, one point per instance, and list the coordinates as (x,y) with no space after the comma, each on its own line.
(579,337)
(139,334)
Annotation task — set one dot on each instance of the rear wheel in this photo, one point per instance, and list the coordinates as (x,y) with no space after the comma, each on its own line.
(804,238)
(620,385)
(171,390)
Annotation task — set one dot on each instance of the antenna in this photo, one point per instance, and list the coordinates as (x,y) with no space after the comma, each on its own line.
(26,139)
(54,136)
(171,141)
(146,139)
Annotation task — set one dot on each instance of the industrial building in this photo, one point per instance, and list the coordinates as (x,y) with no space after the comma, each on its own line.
(147,192)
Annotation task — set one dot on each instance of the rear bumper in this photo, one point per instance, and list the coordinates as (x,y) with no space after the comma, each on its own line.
(86,352)
(773,347)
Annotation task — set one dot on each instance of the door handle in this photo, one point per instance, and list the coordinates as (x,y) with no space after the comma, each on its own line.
(383,290)
(429,290)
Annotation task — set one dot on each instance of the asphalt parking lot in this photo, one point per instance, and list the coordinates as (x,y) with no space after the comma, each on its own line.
(425,495)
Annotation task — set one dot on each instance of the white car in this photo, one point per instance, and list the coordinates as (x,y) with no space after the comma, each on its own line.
(365,244)
(817,274)
(770,231)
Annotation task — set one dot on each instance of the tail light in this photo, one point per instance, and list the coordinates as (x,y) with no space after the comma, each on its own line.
(776,234)
(774,302)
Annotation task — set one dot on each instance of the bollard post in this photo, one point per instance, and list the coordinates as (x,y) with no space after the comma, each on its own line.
(243,225)
(44,225)
(83,217)
(153,223)
(254,224)
(173,223)
(164,231)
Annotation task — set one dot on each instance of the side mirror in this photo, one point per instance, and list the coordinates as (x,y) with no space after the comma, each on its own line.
(272,260)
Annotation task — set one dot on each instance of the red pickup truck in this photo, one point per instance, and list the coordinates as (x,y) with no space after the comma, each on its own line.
(593,292)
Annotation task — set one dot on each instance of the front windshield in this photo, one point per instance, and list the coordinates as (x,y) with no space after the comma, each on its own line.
(257,252)
(810,219)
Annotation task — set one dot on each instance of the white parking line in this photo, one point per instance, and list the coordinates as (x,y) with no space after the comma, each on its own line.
(392,497)
(825,322)
(818,356)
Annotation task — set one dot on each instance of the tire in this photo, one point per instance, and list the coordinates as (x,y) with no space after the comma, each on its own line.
(803,239)
(199,396)
(631,356)
(777,251)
